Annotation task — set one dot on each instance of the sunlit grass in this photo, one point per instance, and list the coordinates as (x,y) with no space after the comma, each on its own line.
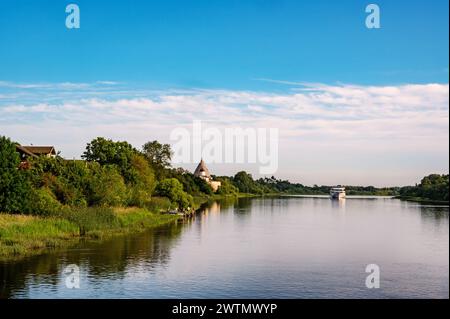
(22,235)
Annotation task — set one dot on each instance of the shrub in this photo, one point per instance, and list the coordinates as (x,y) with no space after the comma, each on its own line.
(14,186)
(245,183)
(173,189)
(157,204)
(227,188)
(67,180)
(142,182)
(107,187)
(43,202)
(138,196)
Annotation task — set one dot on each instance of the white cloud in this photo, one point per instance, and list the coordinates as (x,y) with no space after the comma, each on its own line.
(316,122)
(56,86)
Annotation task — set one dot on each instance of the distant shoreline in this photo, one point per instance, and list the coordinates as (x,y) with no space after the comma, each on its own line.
(422,200)
(403,198)
(347,197)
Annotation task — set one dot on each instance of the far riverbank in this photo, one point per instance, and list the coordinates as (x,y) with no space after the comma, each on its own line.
(423,200)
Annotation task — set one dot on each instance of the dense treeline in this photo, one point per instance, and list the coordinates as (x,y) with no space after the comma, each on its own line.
(110,174)
(244,183)
(117,174)
(433,187)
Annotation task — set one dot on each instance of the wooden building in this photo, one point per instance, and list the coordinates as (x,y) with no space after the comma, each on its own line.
(26,152)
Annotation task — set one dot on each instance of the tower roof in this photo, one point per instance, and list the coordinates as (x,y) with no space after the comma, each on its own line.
(202,168)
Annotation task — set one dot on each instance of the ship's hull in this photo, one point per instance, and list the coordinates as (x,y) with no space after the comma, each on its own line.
(337,195)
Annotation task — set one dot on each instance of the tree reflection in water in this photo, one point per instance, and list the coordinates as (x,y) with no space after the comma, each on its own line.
(106,259)
(253,246)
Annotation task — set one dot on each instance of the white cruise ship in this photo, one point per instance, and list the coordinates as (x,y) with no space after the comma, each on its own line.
(337,193)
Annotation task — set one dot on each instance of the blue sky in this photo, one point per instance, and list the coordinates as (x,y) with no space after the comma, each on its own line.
(136,70)
(224,44)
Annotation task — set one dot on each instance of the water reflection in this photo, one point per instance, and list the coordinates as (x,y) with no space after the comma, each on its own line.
(436,213)
(338,204)
(260,247)
(109,259)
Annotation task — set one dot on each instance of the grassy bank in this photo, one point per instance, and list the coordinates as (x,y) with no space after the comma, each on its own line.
(23,235)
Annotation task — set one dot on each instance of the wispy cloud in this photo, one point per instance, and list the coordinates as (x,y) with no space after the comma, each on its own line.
(315,120)
(56,86)
(278,81)
(108,82)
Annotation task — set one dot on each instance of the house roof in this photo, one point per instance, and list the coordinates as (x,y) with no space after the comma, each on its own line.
(22,149)
(202,168)
(39,150)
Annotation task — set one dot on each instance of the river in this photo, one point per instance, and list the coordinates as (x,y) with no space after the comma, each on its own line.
(280,247)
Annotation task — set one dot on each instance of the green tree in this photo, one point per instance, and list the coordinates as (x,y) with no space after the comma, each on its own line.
(159,155)
(245,183)
(43,202)
(191,184)
(143,182)
(14,186)
(67,180)
(108,152)
(173,189)
(432,187)
(226,187)
(107,187)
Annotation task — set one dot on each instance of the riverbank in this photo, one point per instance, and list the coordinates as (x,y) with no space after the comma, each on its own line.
(25,235)
(425,201)
(175,259)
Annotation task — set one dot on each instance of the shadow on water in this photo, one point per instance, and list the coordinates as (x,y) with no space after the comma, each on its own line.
(242,205)
(106,259)
(436,215)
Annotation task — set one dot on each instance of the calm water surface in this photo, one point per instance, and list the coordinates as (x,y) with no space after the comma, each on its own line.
(293,247)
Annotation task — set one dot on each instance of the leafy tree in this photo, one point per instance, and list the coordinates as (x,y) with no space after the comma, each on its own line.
(203,186)
(191,184)
(245,183)
(227,187)
(108,152)
(432,187)
(67,180)
(43,202)
(170,188)
(107,187)
(14,186)
(143,182)
(173,189)
(159,155)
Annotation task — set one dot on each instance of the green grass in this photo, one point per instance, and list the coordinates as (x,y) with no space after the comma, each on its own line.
(140,218)
(22,235)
